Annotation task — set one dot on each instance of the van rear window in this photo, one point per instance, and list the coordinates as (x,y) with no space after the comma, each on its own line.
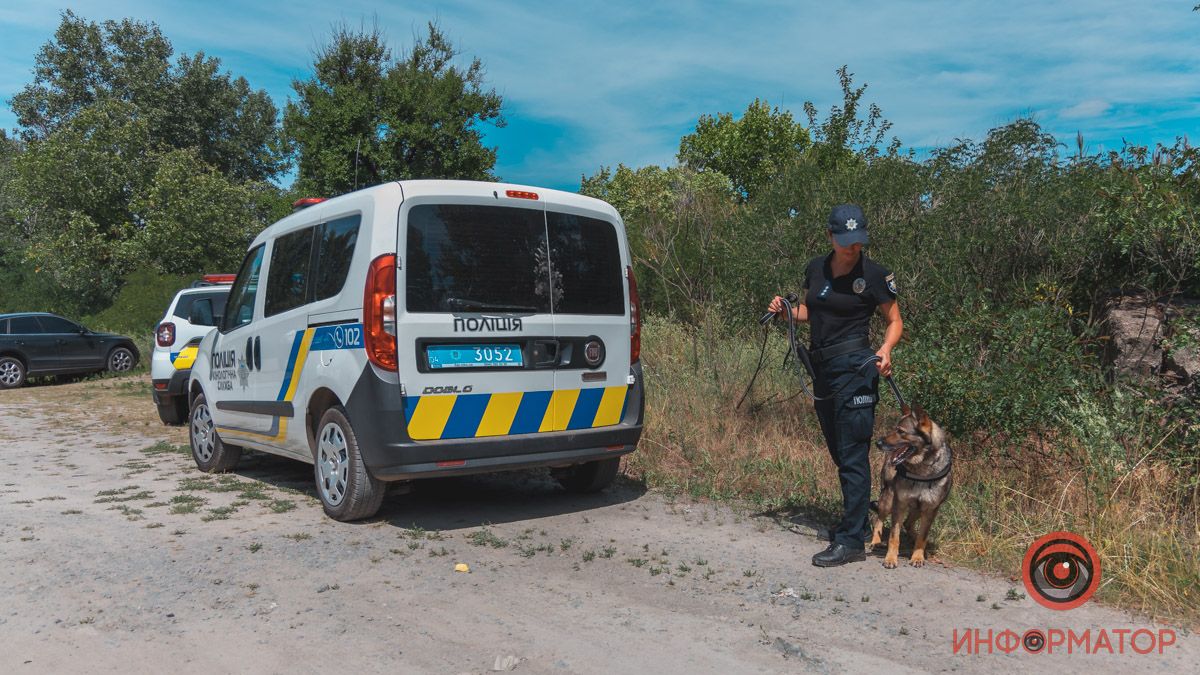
(495,258)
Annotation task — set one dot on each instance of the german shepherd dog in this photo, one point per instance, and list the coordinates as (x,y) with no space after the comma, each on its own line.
(915,479)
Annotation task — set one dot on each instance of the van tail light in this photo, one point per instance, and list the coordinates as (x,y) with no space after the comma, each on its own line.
(635,319)
(379,312)
(164,334)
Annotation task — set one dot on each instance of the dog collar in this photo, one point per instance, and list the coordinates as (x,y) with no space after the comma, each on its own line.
(902,473)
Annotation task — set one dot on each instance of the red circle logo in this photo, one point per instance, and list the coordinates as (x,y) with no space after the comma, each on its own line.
(1061,570)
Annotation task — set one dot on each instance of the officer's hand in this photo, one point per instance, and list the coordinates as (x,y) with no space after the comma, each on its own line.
(776,305)
(885,362)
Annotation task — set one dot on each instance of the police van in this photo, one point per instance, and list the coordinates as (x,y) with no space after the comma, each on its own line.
(427,328)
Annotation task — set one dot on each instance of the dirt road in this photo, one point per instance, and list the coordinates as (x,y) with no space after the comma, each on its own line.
(116,554)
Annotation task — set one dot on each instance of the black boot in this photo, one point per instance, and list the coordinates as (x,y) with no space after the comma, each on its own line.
(838,554)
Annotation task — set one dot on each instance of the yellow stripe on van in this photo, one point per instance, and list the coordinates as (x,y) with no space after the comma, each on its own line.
(611,406)
(558,413)
(498,418)
(430,417)
(186,357)
(301,357)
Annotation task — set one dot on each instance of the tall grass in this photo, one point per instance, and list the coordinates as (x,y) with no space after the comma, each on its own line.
(769,453)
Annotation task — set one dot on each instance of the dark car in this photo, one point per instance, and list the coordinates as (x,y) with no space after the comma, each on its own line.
(37,343)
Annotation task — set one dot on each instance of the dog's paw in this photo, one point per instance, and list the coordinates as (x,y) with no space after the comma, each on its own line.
(876,542)
(890,562)
(918,559)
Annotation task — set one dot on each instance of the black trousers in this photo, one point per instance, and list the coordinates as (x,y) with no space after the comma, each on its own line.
(848,420)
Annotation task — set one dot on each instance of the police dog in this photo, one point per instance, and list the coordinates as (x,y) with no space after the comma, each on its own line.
(915,479)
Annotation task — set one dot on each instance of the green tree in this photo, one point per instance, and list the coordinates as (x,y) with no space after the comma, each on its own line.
(95,200)
(190,104)
(364,118)
(752,150)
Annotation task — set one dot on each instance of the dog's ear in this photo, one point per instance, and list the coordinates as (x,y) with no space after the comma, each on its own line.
(923,422)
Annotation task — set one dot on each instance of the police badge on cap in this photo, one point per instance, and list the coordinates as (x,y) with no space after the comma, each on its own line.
(848,224)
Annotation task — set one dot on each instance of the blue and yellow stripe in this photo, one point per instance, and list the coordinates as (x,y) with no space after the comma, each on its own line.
(509,413)
(287,391)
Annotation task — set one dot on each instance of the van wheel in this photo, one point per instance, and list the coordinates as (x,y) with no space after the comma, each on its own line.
(346,489)
(212,454)
(590,477)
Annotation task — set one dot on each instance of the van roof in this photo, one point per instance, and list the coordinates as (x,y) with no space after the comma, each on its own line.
(398,191)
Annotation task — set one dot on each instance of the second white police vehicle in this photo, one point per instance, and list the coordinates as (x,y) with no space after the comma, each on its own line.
(427,328)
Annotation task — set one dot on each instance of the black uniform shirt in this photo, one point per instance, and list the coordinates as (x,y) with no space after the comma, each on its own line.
(840,309)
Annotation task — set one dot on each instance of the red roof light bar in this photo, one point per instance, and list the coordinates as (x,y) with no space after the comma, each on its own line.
(521,194)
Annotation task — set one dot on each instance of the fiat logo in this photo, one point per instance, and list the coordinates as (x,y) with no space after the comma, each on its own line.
(593,353)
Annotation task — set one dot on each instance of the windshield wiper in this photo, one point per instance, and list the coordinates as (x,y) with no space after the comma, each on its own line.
(469,305)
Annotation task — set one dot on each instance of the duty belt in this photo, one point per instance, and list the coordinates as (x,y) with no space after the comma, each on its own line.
(853,345)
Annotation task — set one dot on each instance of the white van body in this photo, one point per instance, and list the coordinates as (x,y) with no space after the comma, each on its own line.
(509,340)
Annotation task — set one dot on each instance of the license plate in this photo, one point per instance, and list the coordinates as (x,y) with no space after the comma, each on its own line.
(474,356)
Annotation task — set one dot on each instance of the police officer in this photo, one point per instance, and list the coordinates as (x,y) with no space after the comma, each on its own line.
(841,292)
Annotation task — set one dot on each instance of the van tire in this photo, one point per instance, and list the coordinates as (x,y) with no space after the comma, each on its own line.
(346,489)
(212,455)
(590,477)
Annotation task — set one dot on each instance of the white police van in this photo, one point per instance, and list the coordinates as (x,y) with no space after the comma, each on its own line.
(427,328)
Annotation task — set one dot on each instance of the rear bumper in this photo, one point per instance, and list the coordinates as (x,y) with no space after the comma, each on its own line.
(175,387)
(376,411)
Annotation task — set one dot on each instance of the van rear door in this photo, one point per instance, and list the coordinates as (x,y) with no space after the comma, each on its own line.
(591,316)
(475,331)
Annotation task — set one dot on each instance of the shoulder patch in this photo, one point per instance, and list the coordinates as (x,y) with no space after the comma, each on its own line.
(891,283)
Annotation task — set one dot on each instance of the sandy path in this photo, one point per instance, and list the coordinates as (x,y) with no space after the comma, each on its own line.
(256,579)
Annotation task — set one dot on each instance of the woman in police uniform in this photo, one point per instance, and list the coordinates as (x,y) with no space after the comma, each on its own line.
(842,291)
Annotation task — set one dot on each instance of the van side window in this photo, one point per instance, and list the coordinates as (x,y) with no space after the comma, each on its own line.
(240,309)
(586,264)
(288,278)
(335,251)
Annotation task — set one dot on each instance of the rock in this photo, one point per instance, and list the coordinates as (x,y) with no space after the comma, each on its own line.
(1134,328)
(788,648)
(505,662)
(1182,358)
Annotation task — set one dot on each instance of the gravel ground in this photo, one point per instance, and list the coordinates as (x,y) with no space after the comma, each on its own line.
(118,555)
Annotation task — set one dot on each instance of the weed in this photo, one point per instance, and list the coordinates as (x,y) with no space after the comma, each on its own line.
(589,556)
(282,505)
(440,552)
(218,513)
(152,526)
(608,552)
(1013,594)
(144,494)
(298,536)
(186,503)
(254,547)
(485,537)
(636,562)
(565,544)
(72,512)
(165,448)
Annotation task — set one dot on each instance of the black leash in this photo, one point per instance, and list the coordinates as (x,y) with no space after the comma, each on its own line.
(804,359)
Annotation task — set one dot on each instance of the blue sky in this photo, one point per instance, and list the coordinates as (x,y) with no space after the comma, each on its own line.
(589,84)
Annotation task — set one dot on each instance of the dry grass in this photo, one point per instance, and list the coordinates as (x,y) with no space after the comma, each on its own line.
(773,456)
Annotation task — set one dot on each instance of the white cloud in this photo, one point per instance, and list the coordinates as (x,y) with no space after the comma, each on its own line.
(1091,108)
(627,77)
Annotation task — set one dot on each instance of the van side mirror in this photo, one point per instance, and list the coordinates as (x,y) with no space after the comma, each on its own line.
(201,313)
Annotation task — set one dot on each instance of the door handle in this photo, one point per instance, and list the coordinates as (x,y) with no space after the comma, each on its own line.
(258,353)
(545,353)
